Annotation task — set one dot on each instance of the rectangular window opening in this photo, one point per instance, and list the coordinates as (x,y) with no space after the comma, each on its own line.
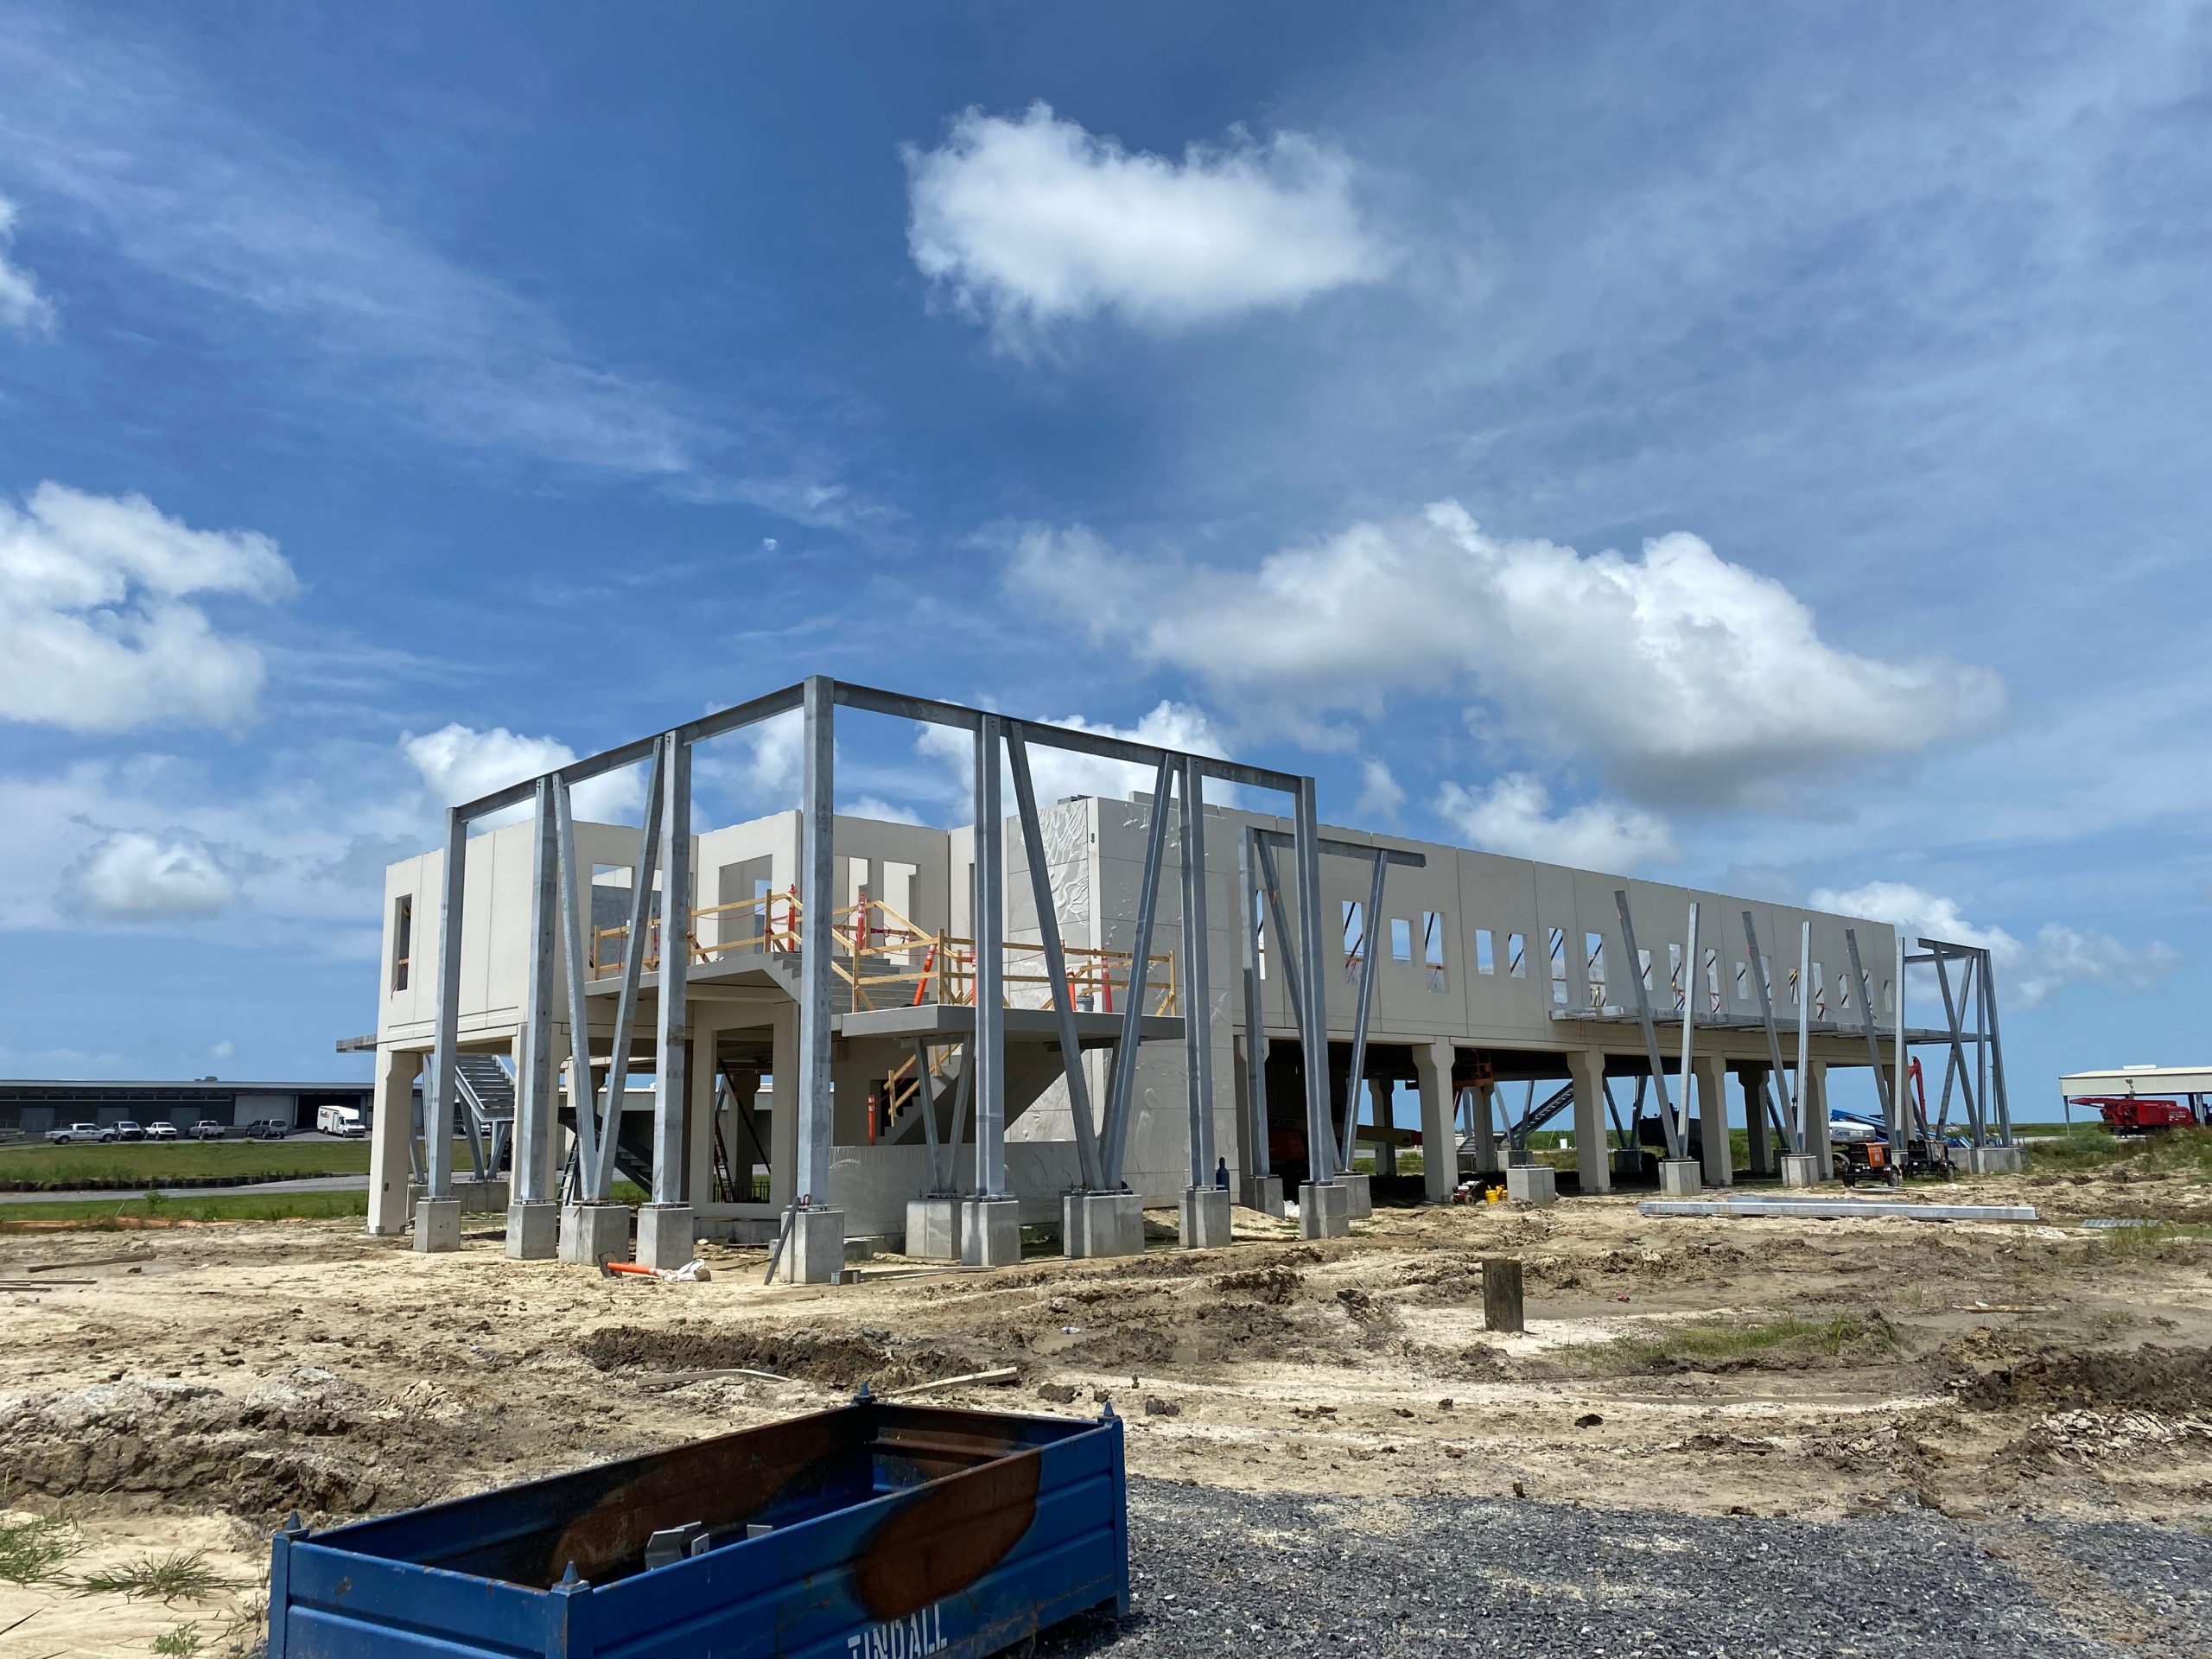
(1713,982)
(1355,937)
(1593,967)
(1674,974)
(1401,939)
(1432,947)
(1517,954)
(1643,968)
(1260,933)
(1555,947)
(403,939)
(1485,951)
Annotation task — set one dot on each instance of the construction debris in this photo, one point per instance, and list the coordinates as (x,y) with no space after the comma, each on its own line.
(1836,1210)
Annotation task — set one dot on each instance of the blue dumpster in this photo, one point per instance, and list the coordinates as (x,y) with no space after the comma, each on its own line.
(876,1531)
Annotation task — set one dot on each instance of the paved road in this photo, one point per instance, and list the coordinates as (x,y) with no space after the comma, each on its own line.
(1221,1573)
(306,1184)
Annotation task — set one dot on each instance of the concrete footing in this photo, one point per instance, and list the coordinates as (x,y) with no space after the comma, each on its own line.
(1359,1196)
(477,1197)
(1204,1219)
(1627,1164)
(1995,1161)
(666,1237)
(533,1230)
(991,1232)
(1535,1184)
(1101,1223)
(593,1233)
(933,1229)
(438,1224)
(1324,1210)
(1681,1178)
(1264,1194)
(815,1252)
(1802,1169)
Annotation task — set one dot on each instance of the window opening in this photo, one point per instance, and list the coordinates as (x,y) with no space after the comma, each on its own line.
(1432,947)
(1485,951)
(1401,939)
(1517,954)
(1555,945)
(403,939)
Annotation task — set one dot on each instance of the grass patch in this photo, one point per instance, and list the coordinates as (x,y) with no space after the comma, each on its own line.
(156,1161)
(181,1575)
(1766,1343)
(2162,1241)
(30,1549)
(96,1215)
(2186,1152)
(182,1642)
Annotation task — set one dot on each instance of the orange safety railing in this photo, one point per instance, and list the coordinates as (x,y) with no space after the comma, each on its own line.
(877,952)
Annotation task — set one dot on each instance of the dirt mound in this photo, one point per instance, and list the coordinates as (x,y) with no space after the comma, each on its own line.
(1276,1285)
(842,1360)
(2159,1379)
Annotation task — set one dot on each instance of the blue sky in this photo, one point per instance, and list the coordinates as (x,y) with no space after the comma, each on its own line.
(1753,445)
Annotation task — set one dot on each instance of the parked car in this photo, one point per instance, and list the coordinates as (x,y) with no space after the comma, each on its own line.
(127,1130)
(268,1128)
(208,1129)
(161,1131)
(70,1135)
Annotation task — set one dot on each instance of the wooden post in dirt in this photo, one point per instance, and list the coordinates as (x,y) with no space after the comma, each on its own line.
(1502,1306)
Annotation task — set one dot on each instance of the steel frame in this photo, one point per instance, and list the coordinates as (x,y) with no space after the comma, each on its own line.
(665,845)
(1980,1079)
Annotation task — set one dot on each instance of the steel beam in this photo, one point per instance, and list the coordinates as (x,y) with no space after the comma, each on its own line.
(1792,1139)
(1368,925)
(1056,966)
(813,1098)
(672,1025)
(1635,964)
(576,889)
(438,1115)
(1122,1080)
(1995,1048)
(1693,971)
(1800,1104)
(1873,1042)
(634,939)
(927,1098)
(964,1089)
(990,1054)
(1255,1026)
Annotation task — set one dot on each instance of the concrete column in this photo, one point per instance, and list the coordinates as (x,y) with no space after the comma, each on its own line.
(699,1113)
(1818,1146)
(1380,1103)
(1754,1078)
(783,1128)
(1440,1154)
(393,1110)
(1586,1068)
(533,1219)
(1482,1102)
(1711,1073)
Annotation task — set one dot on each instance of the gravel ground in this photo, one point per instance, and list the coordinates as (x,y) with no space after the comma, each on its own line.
(1222,1572)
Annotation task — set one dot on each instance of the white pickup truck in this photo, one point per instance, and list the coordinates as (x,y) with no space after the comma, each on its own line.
(70,1135)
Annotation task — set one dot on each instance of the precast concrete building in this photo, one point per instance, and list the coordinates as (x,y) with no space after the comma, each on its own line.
(835,1027)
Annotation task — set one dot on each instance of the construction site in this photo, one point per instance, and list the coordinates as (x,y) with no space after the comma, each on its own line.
(1685,1256)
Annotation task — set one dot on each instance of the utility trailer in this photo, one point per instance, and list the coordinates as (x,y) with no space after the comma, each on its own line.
(876,1531)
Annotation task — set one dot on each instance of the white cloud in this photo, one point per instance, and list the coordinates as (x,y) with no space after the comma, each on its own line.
(1058,773)
(1032,221)
(98,632)
(776,768)
(1515,815)
(2026,975)
(1685,677)
(134,877)
(1381,795)
(874,806)
(21,305)
(223,1050)
(461,763)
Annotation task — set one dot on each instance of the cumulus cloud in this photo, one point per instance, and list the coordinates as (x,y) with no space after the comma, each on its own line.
(131,877)
(2027,975)
(21,305)
(883,811)
(1058,773)
(461,763)
(1684,675)
(97,629)
(1030,221)
(1515,815)
(1381,795)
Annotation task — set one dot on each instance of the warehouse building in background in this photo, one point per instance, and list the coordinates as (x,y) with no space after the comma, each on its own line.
(33,1108)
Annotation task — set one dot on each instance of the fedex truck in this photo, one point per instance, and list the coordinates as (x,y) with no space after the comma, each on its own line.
(343,1121)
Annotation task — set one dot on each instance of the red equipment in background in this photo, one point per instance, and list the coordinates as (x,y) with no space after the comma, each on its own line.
(2132,1115)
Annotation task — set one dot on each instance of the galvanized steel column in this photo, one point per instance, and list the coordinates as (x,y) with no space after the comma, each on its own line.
(817,838)
(1256,1028)
(1198,1013)
(988,1056)
(1321,1142)
(670,1079)
(534,1113)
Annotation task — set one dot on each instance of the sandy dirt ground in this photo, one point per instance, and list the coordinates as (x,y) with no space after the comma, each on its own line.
(186,1400)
